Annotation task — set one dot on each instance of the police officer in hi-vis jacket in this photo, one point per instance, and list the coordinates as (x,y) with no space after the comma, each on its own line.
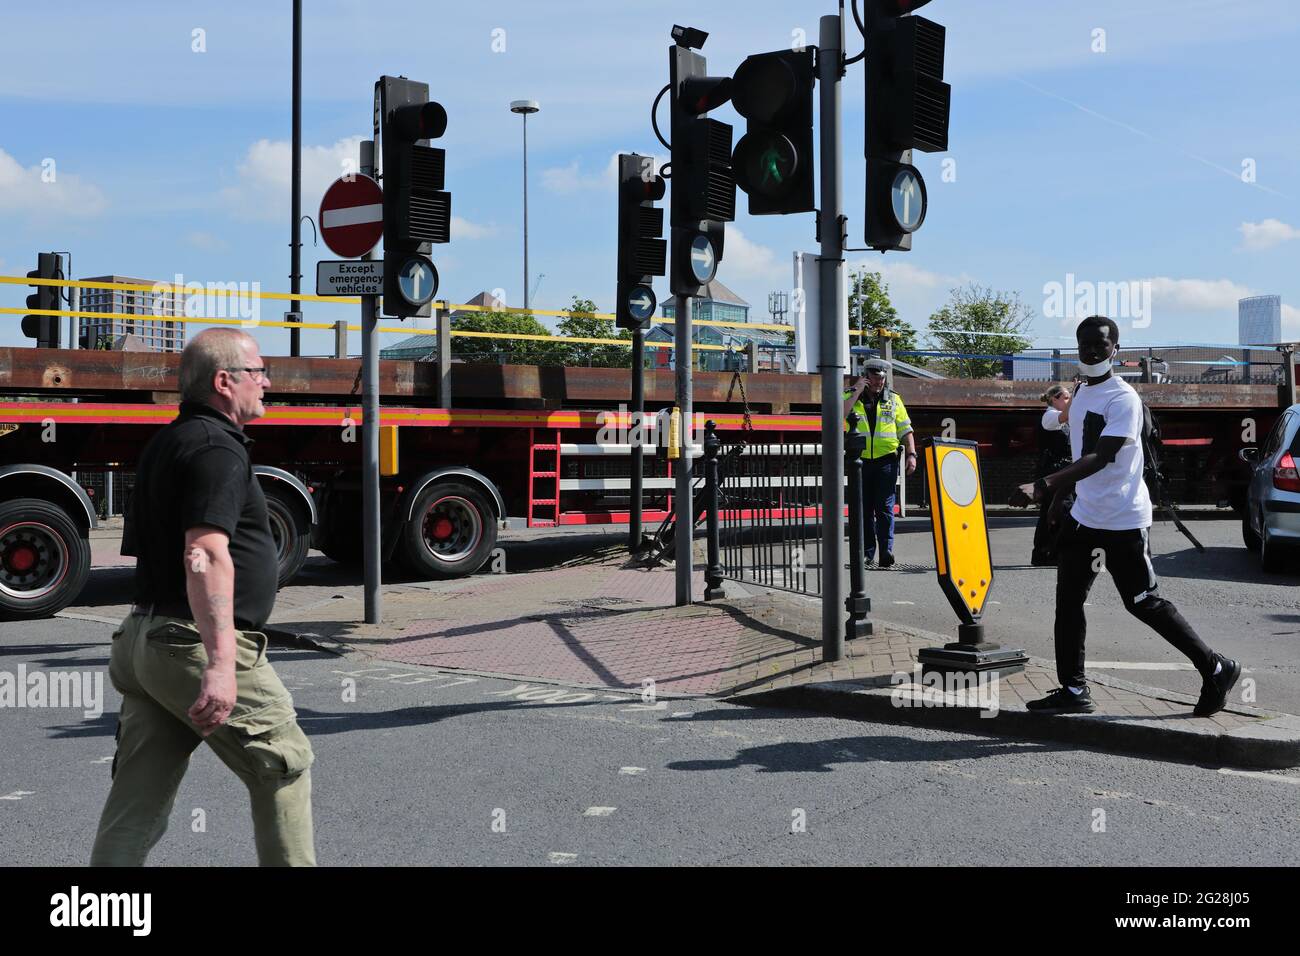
(883,419)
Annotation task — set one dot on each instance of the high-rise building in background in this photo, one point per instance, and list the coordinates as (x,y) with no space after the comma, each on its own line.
(151,329)
(1259,320)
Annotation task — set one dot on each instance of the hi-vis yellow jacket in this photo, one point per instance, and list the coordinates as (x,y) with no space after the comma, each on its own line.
(892,424)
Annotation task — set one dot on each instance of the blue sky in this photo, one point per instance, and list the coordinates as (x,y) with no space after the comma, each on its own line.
(1122,164)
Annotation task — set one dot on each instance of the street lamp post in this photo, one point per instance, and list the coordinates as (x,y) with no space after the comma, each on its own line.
(524,107)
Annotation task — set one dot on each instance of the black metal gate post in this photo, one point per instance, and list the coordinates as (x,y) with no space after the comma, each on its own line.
(713,588)
(857,604)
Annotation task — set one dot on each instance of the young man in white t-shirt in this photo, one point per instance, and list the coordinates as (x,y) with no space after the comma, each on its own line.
(1112,514)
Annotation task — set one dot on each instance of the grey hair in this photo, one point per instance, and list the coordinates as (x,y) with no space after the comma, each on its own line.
(208,353)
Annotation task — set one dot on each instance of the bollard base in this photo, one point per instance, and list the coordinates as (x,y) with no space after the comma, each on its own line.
(855,628)
(714,593)
(976,658)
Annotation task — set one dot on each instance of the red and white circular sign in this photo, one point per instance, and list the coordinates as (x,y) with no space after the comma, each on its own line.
(352,215)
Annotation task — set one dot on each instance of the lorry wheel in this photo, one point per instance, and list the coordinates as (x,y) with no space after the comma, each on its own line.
(1248,534)
(451,533)
(292,536)
(44,559)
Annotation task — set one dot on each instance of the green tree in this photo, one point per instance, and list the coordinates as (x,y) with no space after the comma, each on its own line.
(980,321)
(583,324)
(514,351)
(870,309)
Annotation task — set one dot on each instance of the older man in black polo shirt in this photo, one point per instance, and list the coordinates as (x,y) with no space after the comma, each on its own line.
(190,660)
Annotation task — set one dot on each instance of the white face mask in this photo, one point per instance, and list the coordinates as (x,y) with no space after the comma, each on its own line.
(1100,368)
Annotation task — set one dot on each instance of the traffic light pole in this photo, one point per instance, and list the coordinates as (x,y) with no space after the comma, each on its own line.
(370,527)
(685,507)
(295,236)
(833,317)
(638,457)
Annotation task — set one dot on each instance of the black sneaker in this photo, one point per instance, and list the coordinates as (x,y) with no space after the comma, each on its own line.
(886,559)
(1063,701)
(1214,692)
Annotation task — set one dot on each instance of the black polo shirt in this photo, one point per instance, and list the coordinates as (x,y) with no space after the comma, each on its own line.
(196,471)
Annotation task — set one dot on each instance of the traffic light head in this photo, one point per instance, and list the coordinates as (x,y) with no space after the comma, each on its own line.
(773,161)
(641,248)
(45,329)
(417,210)
(704,185)
(908,107)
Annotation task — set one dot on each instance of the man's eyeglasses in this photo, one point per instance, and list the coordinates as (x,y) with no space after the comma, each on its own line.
(259,371)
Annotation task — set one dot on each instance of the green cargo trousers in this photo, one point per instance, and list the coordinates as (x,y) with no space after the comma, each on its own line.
(157,664)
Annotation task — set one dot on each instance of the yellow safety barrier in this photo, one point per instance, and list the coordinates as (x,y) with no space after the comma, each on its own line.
(963,560)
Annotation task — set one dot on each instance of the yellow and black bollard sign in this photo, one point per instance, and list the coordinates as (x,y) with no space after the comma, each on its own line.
(963,558)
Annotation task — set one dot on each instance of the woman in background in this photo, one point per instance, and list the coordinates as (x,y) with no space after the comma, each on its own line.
(1055,440)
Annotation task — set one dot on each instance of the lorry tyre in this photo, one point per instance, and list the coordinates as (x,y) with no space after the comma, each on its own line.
(44,559)
(451,532)
(292,535)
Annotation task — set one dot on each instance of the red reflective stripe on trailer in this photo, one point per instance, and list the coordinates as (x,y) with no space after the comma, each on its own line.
(1187,441)
(137,414)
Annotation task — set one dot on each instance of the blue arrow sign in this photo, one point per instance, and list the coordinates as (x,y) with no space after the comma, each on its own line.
(417,280)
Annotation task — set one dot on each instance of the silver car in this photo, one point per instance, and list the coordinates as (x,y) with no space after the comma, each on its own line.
(1271,524)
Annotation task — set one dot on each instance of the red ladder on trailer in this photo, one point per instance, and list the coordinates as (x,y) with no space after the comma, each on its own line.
(548,477)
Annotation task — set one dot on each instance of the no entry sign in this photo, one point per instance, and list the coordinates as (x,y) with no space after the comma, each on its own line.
(352,215)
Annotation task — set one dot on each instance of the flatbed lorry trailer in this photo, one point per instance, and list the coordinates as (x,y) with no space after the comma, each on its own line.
(519,445)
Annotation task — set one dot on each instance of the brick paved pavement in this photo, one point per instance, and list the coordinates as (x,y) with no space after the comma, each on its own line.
(608,623)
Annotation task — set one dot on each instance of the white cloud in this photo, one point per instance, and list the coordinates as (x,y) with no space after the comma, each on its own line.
(464,229)
(903,276)
(46,190)
(1267,234)
(570,179)
(1291,320)
(743,259)
(262,190)
(1197,295)
(207,241)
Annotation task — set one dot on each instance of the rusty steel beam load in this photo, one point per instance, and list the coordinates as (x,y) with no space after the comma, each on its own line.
(151,376)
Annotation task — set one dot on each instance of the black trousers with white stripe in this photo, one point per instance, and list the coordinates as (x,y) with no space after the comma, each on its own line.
(1083,553)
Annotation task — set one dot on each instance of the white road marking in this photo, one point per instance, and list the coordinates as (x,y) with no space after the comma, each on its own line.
(18,795)
(599,811)
(630,771)
(1260,775)
(103,760)
(561,857)
(658,705)
(680,713)
(904,602)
